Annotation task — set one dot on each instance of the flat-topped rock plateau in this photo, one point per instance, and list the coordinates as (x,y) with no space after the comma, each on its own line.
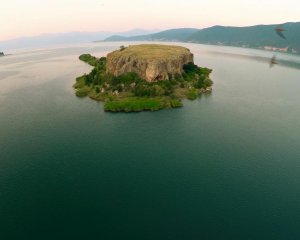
(151,62)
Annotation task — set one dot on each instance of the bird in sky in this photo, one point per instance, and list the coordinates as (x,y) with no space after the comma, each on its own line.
(273,61)
(279,30)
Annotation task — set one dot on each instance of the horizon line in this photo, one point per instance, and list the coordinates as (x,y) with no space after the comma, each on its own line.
(143,29)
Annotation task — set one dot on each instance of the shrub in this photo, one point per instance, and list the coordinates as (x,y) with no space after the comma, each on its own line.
(88,58)
(192,94)
(82,92)
(208,82)
(190,68)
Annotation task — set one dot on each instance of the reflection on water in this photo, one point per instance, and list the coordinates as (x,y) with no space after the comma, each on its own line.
(5,74)
(38,66)
(293,62)
(225,166)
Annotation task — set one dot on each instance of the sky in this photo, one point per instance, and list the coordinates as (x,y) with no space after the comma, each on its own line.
(20,18)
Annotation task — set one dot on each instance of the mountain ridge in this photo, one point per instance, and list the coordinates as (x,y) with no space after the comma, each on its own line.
(262,36)
(178,34)
(64,38)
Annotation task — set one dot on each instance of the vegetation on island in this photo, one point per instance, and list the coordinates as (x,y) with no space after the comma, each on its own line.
(130,93)
(1,54)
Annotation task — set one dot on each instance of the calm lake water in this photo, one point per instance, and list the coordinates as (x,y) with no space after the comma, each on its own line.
(226,166)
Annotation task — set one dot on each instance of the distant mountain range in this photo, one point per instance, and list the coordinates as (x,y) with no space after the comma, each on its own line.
(64,38)
(260,36)
(179,35)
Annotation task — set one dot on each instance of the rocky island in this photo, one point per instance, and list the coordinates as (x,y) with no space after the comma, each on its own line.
(143,77)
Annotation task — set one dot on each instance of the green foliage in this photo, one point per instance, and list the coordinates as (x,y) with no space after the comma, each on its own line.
(192,94)
(128,92)
(159,91)
(176,103)
(88,79)
(145,90)
(82,92)
(138,104)
(208,82)
(178,77)
(80,83)
(126,78)
(190,68)
(88,58)
(197,75)
(133,105)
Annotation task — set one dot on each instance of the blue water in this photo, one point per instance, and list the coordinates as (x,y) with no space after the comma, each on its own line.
(226,166)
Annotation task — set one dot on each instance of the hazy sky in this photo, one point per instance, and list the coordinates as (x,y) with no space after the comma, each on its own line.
(33,17)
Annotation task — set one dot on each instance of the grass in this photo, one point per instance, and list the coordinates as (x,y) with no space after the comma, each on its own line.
(135,104)
(152,51)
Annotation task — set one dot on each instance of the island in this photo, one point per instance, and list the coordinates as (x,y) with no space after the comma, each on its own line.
(146,77)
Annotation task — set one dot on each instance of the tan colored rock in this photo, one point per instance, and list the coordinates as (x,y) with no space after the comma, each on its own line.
(151,62)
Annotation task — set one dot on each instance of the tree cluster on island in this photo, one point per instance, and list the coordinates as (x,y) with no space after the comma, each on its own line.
(1,54)
(129,93)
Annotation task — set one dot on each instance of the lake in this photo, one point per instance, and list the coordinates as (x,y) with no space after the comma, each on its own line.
(226,166)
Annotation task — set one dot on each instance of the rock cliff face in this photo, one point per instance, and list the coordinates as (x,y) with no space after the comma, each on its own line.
(150,61)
